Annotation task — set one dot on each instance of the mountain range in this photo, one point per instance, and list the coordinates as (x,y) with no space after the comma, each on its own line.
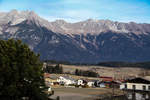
(89,41)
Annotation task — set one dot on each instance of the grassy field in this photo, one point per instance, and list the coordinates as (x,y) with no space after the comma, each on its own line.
(82,93)
(74,76)
(108,71)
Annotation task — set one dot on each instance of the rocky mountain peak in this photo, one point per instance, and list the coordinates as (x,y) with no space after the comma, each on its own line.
(78,42)
(60,22)
(92,26)
(92,20)
(15,17)
(13,12)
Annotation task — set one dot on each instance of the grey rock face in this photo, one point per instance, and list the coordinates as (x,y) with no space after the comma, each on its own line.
(90,41)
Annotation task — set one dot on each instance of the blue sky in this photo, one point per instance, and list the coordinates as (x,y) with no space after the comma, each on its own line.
(78,10)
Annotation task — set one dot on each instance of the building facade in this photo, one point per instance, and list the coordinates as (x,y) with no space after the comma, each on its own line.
(136,84)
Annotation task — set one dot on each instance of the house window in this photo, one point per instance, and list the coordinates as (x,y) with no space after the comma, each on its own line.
(134,87)
(125,86)
(148,87)
(144,87)
(144,96)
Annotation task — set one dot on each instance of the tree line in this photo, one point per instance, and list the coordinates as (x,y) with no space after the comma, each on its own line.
(57,69)
(86,73)
(126,64)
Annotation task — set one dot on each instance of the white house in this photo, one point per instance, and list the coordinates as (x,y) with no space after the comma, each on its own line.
(102,85)
(81,82)
(137,84)
(137,96)
(66,80)
(90,83)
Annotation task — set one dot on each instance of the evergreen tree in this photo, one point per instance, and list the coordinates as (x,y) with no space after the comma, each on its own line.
(54,69)
(21,72)
(76,72)
(87,73)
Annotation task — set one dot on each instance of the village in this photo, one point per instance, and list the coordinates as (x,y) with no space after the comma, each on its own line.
(134,88)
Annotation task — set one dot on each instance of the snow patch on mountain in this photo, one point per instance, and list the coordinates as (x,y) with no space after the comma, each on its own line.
(91,26)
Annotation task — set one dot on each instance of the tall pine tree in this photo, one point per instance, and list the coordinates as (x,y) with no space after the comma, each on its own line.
(21,72)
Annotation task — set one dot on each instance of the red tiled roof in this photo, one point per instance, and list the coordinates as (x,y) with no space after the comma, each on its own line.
(106,77)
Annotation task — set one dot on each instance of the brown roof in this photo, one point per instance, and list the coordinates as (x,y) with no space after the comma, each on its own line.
(46,75)
(105,77)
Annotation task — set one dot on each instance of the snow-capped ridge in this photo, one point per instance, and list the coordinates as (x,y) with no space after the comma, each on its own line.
(92,26)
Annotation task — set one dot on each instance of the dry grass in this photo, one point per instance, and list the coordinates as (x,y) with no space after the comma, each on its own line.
(82,93)
(74,76)
(107,71)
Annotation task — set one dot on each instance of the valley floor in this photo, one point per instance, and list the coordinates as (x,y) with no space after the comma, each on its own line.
(117,72)
(67,93)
